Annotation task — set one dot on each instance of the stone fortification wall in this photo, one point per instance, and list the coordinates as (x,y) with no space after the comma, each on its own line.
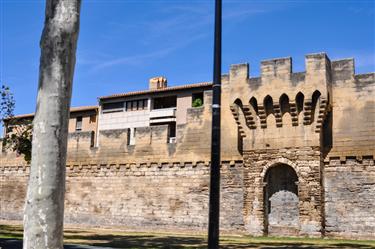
(13,182)
(150,185)
(165,196)
(297,154)
(353,125)
(157,196)
(349,187)
(349,172)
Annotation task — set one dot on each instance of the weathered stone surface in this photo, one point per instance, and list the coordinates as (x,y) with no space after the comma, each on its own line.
(350,198)
(314,130)
(258,163)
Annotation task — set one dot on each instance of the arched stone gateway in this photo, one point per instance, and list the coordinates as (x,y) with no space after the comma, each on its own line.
(281,211)
(283,195)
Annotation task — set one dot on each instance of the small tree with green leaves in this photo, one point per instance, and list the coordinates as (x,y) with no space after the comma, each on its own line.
(19,137)
(18,133)
(7,103)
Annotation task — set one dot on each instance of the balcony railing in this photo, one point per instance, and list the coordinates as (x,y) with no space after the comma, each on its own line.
(163,115)
(165,112)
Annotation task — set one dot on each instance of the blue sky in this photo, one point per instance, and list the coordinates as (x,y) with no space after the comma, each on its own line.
(124,43)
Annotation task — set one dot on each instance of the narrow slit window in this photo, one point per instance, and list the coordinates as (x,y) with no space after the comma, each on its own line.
(79,123)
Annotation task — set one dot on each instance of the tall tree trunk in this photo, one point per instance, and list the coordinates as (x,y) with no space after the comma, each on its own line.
(44,209)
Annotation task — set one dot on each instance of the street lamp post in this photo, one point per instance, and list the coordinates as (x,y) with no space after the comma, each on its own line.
(214,204)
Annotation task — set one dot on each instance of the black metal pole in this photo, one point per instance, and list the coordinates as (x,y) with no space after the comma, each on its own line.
(214,205)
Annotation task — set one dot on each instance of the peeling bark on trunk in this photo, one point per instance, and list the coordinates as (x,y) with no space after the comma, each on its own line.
(44,209)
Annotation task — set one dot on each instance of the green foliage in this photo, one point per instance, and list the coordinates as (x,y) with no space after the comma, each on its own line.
(7,103)
(18,135)
(197,102)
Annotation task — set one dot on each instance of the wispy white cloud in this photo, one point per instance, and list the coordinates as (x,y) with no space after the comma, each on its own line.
(195,18)
(242,13)
(85,61)
(197,8)
(132,60)
(139,59)
(361,10)
(90,58)
(177,26)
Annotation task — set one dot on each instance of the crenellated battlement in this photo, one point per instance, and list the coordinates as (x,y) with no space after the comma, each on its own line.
(276,68)
(277,78)
(279,91)
(281,102)
(342,69)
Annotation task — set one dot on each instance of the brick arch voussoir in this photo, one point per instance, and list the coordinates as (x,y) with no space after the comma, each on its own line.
(278,161)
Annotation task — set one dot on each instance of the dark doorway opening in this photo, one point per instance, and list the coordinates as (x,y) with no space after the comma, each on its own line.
(281,210)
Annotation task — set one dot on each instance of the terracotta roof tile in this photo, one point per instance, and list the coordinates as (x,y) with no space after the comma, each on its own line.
(83,108)
(72,109)
(172,88)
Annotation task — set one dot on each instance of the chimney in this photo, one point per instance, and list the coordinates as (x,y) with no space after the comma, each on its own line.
(158,83)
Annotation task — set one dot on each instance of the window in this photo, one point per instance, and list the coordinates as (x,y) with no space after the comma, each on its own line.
(136,105)
(128,137)
(79,123)
(92,139)
(140,105)
(113,107)
(128,106)
(131,136)
(165,102)
(92,119)
(197,99)
(172,132)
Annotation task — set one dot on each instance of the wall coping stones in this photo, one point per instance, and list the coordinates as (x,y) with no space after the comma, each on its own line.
(77,167)
(349,160)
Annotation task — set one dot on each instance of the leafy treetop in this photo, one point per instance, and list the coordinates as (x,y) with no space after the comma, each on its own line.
(18,133)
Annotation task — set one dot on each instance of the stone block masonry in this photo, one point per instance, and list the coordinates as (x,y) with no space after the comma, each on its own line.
(149,196)
(297,160)
(306,164)
(349,186)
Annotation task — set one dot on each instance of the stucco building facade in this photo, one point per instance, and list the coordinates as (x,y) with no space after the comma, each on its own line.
(297,155)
